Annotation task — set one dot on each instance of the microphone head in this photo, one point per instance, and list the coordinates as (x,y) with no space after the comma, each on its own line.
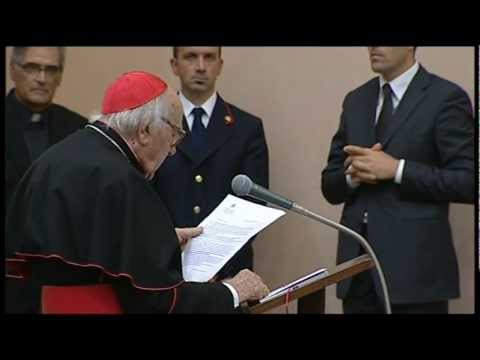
(242,185)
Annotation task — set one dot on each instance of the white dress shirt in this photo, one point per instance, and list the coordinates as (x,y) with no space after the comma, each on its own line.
(399,86)
(207,107)
(236,300)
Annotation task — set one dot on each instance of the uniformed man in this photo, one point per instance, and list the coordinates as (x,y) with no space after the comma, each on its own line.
(222,141)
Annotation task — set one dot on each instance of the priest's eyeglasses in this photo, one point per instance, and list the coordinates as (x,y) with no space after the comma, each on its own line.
(35,69)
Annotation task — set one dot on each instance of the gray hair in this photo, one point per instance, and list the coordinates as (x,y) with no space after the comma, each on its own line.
(18,54)
(127,122)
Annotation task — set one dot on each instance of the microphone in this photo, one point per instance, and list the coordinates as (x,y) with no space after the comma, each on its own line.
(242,185)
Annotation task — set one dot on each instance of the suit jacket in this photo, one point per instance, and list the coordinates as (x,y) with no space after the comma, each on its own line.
(61,122)
(408,226)
(191,179)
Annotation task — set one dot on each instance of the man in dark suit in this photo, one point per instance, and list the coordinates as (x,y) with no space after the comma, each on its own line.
(32,124)
(403,152)
(222,141)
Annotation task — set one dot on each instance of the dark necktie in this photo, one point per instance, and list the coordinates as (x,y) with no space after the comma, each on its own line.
(199,133)
(386,114)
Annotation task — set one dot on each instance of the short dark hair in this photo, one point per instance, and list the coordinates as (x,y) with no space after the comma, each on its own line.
(175,51)
(18,54)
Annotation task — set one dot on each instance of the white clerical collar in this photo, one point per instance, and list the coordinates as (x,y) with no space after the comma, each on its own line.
(36,117)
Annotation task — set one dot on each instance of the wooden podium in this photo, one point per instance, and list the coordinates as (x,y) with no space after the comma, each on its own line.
(311,298)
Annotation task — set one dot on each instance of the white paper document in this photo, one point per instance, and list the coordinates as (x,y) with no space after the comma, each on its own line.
(296,284)
(225,231)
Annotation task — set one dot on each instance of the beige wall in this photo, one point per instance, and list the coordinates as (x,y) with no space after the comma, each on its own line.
(298,92)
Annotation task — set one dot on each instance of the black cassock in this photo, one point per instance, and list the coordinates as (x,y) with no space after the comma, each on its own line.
(85,214)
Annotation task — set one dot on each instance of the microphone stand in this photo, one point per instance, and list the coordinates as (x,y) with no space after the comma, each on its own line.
(305,212)
(243,186)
